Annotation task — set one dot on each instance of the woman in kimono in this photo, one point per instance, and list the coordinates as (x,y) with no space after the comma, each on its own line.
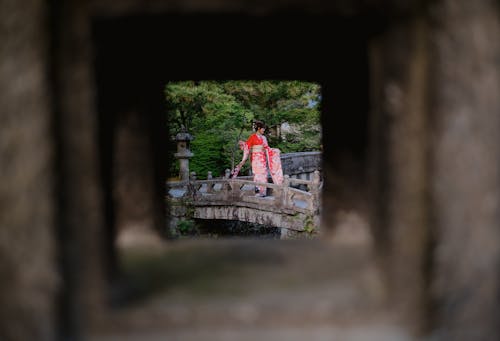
(262,156)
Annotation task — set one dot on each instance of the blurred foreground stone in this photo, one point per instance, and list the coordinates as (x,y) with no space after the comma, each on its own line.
(252,289)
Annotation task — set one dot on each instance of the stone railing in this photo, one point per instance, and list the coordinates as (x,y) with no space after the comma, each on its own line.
(285,198)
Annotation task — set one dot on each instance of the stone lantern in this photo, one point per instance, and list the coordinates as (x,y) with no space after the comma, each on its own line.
(183,153)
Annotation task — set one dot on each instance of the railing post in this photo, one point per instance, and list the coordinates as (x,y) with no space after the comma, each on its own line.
(190,185)
(225,185)
(285,190)
(210,186)
(316,181)
(193,176)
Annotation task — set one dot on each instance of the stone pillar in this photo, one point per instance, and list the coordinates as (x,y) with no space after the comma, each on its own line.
(30,281)
(183,153)
(399,163)
(466,169)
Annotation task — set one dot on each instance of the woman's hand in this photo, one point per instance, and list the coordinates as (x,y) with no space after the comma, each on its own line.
(236,170)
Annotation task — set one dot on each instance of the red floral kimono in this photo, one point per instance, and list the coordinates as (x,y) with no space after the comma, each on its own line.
(261,156)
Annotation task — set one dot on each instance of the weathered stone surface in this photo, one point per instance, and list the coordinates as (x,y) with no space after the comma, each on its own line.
(400,67)
(465,178)
(29,280)
(434,115)
(309,161)
(292,222)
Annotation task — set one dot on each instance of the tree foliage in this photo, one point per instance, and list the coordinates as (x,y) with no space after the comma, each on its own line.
(218,114)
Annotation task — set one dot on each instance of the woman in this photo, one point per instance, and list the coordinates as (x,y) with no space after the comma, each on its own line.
(261,156)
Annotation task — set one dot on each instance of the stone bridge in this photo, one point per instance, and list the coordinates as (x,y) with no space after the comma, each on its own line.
(294,210)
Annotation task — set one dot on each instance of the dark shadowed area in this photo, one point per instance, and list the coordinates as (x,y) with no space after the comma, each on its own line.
(409,244)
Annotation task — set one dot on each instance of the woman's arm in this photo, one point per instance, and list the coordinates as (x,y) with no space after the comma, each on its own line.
(265,144)
(246,151)
(244,147)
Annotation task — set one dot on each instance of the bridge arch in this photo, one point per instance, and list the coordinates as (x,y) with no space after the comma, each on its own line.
(293,210)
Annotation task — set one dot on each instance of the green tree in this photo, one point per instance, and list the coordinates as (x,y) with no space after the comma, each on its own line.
(218,114)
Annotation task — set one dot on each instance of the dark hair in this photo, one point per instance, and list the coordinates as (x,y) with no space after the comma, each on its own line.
(258,124)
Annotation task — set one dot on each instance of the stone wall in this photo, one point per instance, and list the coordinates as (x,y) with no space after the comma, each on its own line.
(299,163)
(432,185)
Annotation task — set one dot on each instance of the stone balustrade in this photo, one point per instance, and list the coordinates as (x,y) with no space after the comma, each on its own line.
(286,206)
